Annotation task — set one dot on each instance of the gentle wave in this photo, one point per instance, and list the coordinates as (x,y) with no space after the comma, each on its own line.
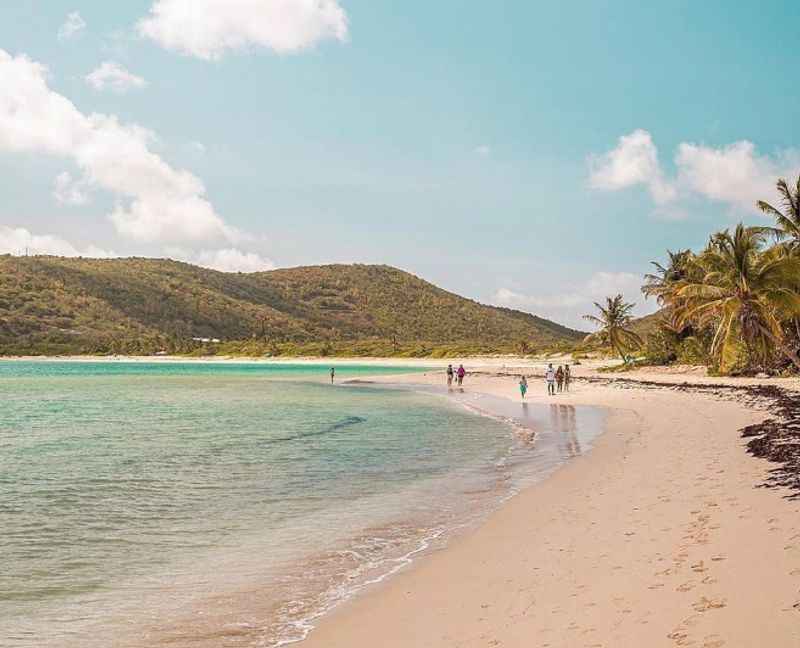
(344,423)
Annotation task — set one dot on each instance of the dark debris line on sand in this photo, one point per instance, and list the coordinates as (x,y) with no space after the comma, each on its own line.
(776,438)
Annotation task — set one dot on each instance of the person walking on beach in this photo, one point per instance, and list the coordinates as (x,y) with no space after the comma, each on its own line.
(333,374)
(523,386)
(550,378)
(567,377)
(450,372)
(560,378)
(461,373)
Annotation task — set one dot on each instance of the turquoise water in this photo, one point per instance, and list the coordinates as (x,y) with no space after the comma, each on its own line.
(222,504)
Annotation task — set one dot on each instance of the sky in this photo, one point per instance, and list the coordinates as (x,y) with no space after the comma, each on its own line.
(520,153)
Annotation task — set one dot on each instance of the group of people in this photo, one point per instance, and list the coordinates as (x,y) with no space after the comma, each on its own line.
(457,374)
(556,379)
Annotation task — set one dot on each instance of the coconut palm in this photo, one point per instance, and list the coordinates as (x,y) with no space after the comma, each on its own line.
(661,283)
(746,294)
(614,321)
(787,221)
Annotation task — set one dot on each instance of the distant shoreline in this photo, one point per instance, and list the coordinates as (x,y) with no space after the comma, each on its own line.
(480,362)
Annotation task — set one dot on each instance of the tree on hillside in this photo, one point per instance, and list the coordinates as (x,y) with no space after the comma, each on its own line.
(746,293)
(614,321)
(787,221)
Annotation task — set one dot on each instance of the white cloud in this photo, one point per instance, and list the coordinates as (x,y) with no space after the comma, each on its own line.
(483,150)
(115,77)
(232,260)
(207,29)
(73,26)
(735,175)
(634,161)
(19,240)
(156,203)
(225,260)
(569,306)
(68,191)
(198,147)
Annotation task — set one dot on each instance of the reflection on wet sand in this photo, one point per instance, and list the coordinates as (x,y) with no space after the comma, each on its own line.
(563,424)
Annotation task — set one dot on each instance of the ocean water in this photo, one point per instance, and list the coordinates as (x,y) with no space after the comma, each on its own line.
(223,505)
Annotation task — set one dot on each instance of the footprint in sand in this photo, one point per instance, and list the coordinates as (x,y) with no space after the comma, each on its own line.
(699,567)
(690,622)
(713,641)
(706,604)
(709,580)
(686,587)
(794,572)
(718,558)
(680,638)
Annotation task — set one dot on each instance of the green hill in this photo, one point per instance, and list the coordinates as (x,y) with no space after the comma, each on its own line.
(646,324)
(59,305)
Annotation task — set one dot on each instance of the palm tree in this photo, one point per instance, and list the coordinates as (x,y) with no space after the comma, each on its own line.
(661,283)
(614,320)
(746,293)
(787,221)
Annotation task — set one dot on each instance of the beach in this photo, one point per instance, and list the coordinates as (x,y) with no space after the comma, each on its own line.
(635,518)
(660,536)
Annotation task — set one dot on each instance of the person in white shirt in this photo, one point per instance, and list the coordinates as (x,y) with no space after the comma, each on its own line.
(550,377)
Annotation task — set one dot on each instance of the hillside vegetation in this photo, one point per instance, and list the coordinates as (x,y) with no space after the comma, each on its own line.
(53,305)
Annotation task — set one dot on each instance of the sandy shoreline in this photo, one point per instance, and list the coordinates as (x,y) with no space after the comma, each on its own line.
(477,363)
(658,537)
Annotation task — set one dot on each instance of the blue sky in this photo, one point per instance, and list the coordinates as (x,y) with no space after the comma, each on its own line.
(521,153)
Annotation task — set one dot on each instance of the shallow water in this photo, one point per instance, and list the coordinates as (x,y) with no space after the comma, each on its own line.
(229,505)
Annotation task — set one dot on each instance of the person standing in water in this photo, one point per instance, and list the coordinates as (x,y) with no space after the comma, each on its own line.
(333,374)
(461,373)
(450,372)
(550,378)
(523,386)
(560,378)
(567,377)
